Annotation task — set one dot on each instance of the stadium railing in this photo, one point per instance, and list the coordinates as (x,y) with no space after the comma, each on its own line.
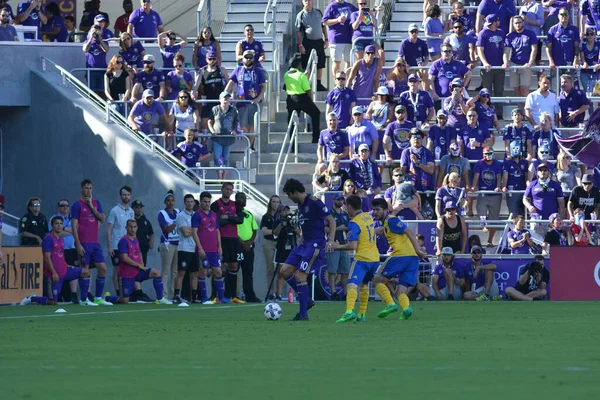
(290,139)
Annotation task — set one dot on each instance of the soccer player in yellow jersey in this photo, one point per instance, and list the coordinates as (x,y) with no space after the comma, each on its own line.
(403,262)
(362,238)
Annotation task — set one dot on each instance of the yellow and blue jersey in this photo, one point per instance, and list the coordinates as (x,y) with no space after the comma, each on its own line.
(394,229)
(362,230)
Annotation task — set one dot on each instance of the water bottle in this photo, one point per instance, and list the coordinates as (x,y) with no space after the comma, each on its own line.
(291,296)
(438,152)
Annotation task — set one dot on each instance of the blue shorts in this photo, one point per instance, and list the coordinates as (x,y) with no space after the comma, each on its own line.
(405,268)
(54,288)
(127,284)
(93,253)
(212,260)
(362,271)
(307,257)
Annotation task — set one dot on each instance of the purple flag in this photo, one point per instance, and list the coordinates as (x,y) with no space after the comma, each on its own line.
(585,146)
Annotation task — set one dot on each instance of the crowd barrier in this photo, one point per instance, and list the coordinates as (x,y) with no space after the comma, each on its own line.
(572,280)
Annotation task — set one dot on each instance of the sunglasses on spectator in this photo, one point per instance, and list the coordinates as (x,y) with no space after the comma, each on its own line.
(544,152)
(414,31)
(564,15)
(446,51)
(126,38)
(400,111)
(206,32)
(183,97)
(485,95)
(340,78)
(474,251)
(63,205)
(249,30)
(543,169)
(148,62)
(362,4)
(179,66)
(518,22)
(458,27)
(471,115)
(400,65)
(249,57)
(586,183)
(211,59)
(36,204)
(370,53)
(172,37)
(397,175)
(119,61)
(590,34)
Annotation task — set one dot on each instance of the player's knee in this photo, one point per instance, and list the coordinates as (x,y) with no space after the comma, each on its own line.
(509,291)
(301,276)
(286,270)
(543,293)
(101,269)
(154,273)
(85,272)
(203,273)
(123,300)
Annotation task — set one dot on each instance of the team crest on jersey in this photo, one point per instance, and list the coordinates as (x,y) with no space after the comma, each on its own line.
(479,131)
(402,135)
(147,116)
(347,96)
(453,168)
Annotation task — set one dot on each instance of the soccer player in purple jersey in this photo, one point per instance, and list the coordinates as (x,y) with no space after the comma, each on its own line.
(86,217)
(310,255)
(132,268)
(56,270)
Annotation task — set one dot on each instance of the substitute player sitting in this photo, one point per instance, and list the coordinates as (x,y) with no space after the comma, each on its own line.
(132,268)
(403,262)
(362,238)
(56,270)
(209,248)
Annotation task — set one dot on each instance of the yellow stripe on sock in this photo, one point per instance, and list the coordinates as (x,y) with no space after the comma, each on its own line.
(351,299)
(403,300)
(384,293)
(364,300)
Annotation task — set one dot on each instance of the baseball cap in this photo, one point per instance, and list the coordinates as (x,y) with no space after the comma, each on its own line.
(148,93)
(447,251)
(542,165)
(442,113)
(587,178)
(400,107)
(414,77)
(370,49)
(332,115)
(338,196)
(246,52)
(211,54)
(224,94)
(357,110)
(484,92)
(475,249)
(149,58)
(283,207)
(456,82)
(449,205)
(137,203)
(363,146)
(490,19)
(553,217)
(100,17)
(412,27)
(382,90)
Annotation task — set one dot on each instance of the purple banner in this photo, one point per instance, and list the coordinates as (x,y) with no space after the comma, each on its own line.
(585,146)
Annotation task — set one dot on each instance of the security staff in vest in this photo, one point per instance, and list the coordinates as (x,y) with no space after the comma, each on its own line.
(299,96)
(247,231)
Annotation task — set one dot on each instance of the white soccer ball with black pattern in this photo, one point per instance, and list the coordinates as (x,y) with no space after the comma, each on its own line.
(273,311)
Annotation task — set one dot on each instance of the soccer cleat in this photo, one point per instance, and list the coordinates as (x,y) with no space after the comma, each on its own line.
(197,301)
(349,316)
(450,297)
(178,300)
(483,297)
(406,313)
(214,300)
(392,308)
(237,300)
(164,300)
(87,302)
(497,298)
(298,317)
(208,303)
(431,298)
(101,302)
(145,298)
(361,318)
(224,301)
(27,300)
(278,298)
(311,304)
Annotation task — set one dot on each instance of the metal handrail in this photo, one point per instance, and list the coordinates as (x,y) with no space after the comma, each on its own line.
(311,70)
(293,139)
(238,186)
(196,170)
(265,23)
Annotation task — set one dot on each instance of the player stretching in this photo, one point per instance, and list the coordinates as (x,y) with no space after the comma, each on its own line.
(86,216)
(56,270)
(310,255)
(132,269)
(403,263)
(362,238)
(209,248)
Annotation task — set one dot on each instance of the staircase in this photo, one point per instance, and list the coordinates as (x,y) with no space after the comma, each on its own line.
(405,13)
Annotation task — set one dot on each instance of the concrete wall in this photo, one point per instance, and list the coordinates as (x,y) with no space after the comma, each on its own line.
(61,139)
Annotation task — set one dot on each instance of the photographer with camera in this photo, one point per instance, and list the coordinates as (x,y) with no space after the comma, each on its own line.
(286,234)
(544,196)
(95,49)
(532,282)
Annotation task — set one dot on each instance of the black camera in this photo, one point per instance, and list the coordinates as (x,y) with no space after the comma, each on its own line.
(535,267)
(96,26)
(365,9)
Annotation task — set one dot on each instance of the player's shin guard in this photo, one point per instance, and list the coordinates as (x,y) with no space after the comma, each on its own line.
(202,288)
(291,280)
(219,287)
(403,300)
(84,287)
(303,298)
(384,293)
(100,286)
(351,298)
(158,288)
(364,300)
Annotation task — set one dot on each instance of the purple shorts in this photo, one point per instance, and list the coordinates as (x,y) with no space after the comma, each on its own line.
(307,257)
(127,284)
(55,287)
(93,254)
(212,260)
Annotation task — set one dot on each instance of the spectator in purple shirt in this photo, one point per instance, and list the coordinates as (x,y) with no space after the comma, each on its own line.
(57,31)
(444,71)
(414,51)
(458,14)
(339,32)
(419,162)
(132,51)
(519,132)
(31,13)
(8,32)
(589,52)
(434,28)
(562,44)
(573,103)
(363,24)
(490,48)
(149,78)
(544,196)
(362,132)
(341,100)
(486,112)
(418,103)
(190,152)
(95,49)
(249,43)
(462,44)
(397,136)
(178,79)
(504,9)
(169,49)
(455,105)
(519,239)
(333,141)
(487,175)
(521,46)
(554,10)
(514,175)
(145,114)
(145,22)
(473,137)
(364,172)
(440,135)
(91,9)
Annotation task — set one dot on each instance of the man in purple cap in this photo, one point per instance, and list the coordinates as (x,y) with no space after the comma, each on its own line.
(145,22)
(339,32)
(102,21)
(333,141)
(364,76)
(95,49)
(573,103)
(544,196)
(487,174)
(414,51)
(145,113)
(455,105)
(490,48)
(444,70)
(504,9)
(521,46)
(562,44)
(418,103)
(149,78)
(341,100)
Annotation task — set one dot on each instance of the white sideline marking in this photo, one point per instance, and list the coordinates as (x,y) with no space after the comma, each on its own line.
(126,311)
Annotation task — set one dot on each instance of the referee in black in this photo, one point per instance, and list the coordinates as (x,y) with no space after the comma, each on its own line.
(299,96)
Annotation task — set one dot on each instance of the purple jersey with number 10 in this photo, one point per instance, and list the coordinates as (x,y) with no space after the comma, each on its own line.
(311,216)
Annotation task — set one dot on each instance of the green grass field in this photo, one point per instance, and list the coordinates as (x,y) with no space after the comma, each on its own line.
(447,350)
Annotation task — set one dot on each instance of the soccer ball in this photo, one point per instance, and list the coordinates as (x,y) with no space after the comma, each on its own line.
(273,311)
